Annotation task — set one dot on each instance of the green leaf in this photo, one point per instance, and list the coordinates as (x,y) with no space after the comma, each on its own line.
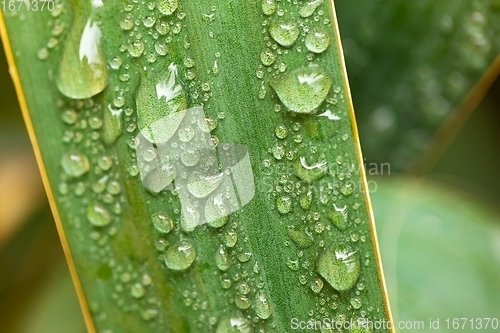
(199,148)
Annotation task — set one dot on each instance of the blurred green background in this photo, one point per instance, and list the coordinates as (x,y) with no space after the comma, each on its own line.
(411,65)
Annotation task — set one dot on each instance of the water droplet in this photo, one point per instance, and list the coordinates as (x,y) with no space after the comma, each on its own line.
(293,264)
(281,131)
(234,325)
(75,164)
(98,215)
(127,23)
(230,238)
(310,173)
(284,33)
(43,53)
(222,258)
(301,238)
(267,57)
(162,27)
(200,185)
(149,314)
(158,98)
(159,178)
(135,48)
(244,256)
(308,8)
(69,116)
(317,40)
(339,217)
(303,89)
(161,48)
(180,256)
(278,151)
(162,222)
(137,290)
(268,7)
(167,7)
(82,71)
(243,288)
(262,305)
(149,21)
(284,205)
(305,200)
(340,267)
(356,302)
(316,285)
(242,301)
(216,212)
(190,157)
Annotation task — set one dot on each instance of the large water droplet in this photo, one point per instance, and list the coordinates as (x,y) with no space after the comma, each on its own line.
(317,40)
(263,307)
(284,33)
(242,301)
(234,325)
(98,215)
(340,267)
(310,173)
(309,7)
(162,222)
(137,290)
(167,7)
(156,99)
(75,164)
(303,89)
(82,71)
(222,258)
(268,7)
(180,256)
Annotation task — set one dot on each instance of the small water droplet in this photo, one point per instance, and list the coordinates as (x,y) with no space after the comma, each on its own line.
(162,222)
(268,7)
(316,285)
(162,27)
(75,164)
(137,290)
(242,301)
(284,33)
(234,325)
(127,23)
(301,238)
(303,89)
(284,204)
(340,267)
(293,264)
(230,238)
(317,40)
(278,151)
(262,305)
(267,57)
(339,217)
(356,303)
(222,258)
(167,7)
(180,256)
(98,215)
(310,173)
(135,48)
(281,131)
(305,200)
(69,116)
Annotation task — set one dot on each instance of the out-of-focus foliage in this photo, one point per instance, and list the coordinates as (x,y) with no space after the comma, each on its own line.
(410,64)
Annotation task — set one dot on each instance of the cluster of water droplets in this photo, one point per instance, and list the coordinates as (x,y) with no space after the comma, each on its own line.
(315,187)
